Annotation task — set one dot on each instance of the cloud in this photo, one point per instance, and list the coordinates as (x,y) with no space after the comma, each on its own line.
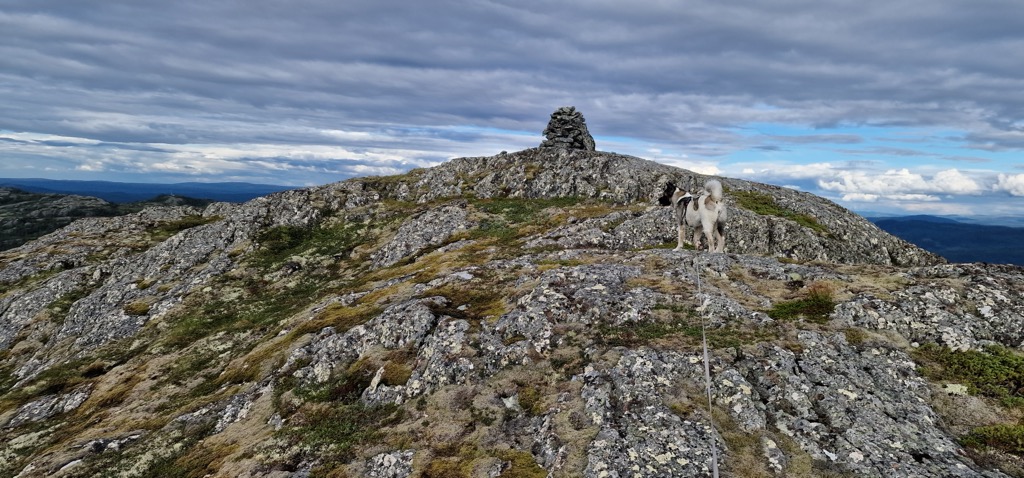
(1011,183)
(952,181)
(270,92)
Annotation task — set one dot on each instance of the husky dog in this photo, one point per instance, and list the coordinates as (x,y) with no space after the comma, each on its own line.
(713,215)
(685,206)
(706,214)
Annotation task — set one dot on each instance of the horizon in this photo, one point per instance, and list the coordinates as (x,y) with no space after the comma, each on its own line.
(903,108)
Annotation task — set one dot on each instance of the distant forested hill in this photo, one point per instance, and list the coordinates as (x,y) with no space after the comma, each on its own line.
(958,241)
(27,215)
(131,192)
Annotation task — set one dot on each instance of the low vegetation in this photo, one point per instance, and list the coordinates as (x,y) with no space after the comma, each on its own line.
(997,372)
(765,205)
(164,230)
(816,305)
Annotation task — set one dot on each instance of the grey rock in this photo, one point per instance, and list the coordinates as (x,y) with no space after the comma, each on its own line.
(397,464)
(567,129)
(863,411)
(48,406)
(431,228)
(639,434)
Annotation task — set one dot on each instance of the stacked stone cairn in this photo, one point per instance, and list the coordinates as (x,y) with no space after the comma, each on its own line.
(567,129)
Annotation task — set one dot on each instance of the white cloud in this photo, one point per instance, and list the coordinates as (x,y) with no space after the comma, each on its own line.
(860,197)
(1011,183)
(952,181)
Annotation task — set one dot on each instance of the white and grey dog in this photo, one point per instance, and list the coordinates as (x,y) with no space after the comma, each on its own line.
(706,214)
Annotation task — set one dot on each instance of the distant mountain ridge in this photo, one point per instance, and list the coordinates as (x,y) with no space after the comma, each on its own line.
(28,215)
(958,241)
(119,192)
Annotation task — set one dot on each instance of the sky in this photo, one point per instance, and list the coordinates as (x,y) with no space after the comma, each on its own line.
(895,106)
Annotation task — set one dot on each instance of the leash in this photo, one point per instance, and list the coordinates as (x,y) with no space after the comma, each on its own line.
(707,372)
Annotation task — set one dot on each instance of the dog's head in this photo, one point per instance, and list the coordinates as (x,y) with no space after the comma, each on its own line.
(666,196)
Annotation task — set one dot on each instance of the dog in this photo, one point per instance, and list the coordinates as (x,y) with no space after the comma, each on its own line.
(706,214)
(684,204)
(713,215)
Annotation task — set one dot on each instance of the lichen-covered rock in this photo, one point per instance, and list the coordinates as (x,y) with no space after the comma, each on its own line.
(402,325)
(48,406)
(397,464)
(639,434)
(431,228)
(962,306)
(862,410)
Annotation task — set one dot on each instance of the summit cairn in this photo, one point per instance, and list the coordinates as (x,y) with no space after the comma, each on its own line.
(567,129)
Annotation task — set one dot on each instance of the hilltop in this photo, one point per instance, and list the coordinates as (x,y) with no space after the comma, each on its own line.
(516,315)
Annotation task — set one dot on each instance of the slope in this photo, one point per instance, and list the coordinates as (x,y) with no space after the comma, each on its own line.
(514,315)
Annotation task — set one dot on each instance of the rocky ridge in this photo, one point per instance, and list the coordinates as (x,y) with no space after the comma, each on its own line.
(513,315)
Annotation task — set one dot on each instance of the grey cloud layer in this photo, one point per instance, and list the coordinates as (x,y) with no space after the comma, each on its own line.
(684,75)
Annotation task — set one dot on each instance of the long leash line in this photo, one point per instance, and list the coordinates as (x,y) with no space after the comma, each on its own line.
(707,373)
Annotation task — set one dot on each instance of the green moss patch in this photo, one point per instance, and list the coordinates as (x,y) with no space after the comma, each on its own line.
(765,205)
(1007,438)
(996,372)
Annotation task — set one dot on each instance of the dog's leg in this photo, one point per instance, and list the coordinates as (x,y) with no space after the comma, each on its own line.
(720,232)
(709,234)
(682,236)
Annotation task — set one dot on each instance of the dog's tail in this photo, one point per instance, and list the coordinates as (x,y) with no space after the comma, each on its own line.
(714,187)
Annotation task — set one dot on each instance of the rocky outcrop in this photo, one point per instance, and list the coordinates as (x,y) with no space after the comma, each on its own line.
(431,228)
(567,129)
(515,315)
(842,236)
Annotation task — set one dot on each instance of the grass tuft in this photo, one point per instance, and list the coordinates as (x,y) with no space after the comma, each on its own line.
(815,307)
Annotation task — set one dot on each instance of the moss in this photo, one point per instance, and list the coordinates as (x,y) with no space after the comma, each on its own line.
(344,387)
(471,301)
(1007,438)
(641,333)
(164,230)
(277,244)
(333,432)
(64,377)
(531,401)
(396,374)
(765,205)
(27,281)
(341,317)
(186,459)
(63,304)
(521,464)
(855,336)
(520,210)
(138,307)
(996,372)
(447,468)
(679,327)
(261,306)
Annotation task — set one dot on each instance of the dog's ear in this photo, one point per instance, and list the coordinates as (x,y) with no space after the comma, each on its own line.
(666,195)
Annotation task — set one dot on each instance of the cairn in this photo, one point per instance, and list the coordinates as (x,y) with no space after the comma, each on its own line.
(567,129)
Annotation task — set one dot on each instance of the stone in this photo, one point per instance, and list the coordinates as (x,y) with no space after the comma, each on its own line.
(568,130)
